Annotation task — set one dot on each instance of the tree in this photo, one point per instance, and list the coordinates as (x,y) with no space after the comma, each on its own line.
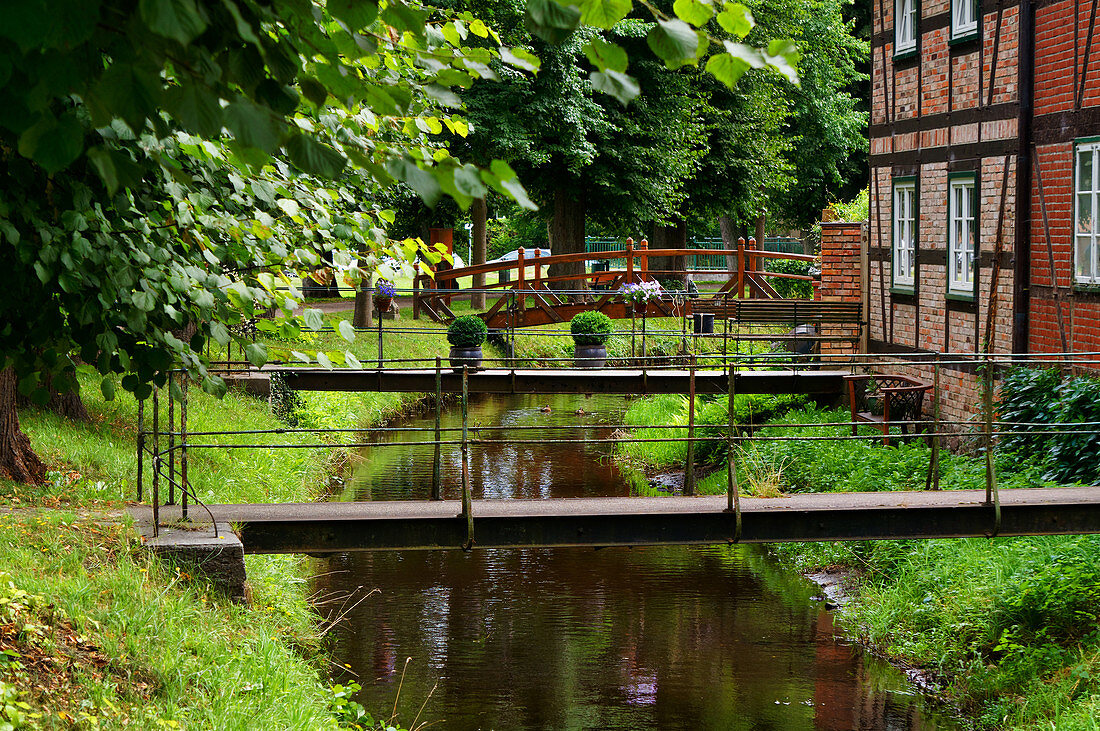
(169,160)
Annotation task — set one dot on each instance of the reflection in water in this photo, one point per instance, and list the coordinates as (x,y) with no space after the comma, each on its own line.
(666,637)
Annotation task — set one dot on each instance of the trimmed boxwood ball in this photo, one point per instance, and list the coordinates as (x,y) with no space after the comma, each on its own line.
(468,331)
(590,328)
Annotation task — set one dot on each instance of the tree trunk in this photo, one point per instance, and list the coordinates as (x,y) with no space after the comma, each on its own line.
(669,237)
(566,232)
(479,212)
(364,305)
(760,221)
(17,460)
(729,239)
(68,404)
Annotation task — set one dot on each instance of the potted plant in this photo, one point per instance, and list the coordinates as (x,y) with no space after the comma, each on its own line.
(383,295)
(466,334)
(638,295)
(590,331)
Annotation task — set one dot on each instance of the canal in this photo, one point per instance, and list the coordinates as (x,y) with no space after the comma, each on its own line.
(718,637)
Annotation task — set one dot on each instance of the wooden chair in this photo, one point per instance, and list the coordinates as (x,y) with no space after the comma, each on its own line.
(885,401)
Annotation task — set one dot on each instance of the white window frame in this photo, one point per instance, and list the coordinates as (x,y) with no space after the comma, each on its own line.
(904,247)
(1086,206)
(905,26)
(964,18)
(962,234)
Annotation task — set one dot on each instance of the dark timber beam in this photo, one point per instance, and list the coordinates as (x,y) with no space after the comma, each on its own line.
(595,522)
(546,381)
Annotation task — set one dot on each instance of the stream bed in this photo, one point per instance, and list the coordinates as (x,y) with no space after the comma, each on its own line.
(714,637)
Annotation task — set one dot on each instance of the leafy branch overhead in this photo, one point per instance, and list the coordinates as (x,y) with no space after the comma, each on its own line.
(696,31)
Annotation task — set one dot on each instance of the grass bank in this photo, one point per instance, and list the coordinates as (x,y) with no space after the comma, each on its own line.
(94,632)
(1008,627)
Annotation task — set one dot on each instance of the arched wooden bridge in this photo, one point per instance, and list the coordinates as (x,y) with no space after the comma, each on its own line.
(528,299)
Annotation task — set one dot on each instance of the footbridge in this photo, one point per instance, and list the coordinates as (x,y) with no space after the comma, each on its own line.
(732,517)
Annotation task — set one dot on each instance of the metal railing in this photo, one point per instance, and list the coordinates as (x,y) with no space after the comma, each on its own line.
(168,446)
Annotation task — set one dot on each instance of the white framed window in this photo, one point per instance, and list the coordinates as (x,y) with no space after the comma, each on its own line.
(905,26)
(904,247)
(964,17)
(961,236)
(1086,247)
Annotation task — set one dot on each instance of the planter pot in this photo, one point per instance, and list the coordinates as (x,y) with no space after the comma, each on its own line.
(640,307)
(469,357)
(382,304)
(589,356)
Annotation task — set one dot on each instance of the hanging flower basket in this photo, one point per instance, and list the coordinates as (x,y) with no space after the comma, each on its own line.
(383,295)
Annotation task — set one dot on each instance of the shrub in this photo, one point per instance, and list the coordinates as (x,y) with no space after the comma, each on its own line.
(468,331)
(1042,397)
(590,328)
(790,288)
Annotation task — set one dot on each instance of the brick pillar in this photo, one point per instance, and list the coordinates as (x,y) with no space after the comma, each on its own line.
(842,276)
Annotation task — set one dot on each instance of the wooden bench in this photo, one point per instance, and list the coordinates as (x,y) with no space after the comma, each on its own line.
(885,401)
(786,312)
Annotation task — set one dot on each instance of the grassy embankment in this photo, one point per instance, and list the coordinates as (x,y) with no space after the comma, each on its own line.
(94,630)
(1008,626)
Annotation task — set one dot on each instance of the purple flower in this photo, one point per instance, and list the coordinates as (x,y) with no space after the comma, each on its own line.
(385,288)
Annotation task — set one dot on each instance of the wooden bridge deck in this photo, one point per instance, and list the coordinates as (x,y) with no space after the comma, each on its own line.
(565,380)
(595,522)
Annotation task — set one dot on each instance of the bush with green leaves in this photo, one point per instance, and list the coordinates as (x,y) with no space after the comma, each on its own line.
(791,288)
(590,328)
(1032,399)
(467,331)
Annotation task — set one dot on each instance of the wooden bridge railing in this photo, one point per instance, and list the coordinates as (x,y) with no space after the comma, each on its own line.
(432,294)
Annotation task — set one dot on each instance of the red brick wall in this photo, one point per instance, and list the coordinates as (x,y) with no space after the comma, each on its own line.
(1060,42)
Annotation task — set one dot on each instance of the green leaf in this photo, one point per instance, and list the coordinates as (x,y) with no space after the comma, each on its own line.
(313,157)
(521,58)
(727,68)
(550,20)
(324,360)
(673,41)
(181,20)
(604,13)
(115,168)
(404,17)
(219,332)
(314,318)
(252,125)
(107,386)
(605,56)
(313,90)
(351,360)
(468,181)
(736,19)
(301,356)
(256,354)
(130,92)
(619,85)
(424,183)
(289,206)
(695,12)
(53,143)
(356,14)
(783,56)
(196,108)
(347,332)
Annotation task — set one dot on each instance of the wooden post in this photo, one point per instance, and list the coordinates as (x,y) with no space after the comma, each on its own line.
(752,261)
(538,271)
(643,259)
(740,268)
(629,262)
(520,279)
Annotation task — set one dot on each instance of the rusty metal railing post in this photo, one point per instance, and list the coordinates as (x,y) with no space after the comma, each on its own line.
(991,493)
(689,462)
(437,477)
(156,461)
(934,460)
(184,487)
(171,443)
(733,492)
(379,318)
(467,500)
(140,447)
